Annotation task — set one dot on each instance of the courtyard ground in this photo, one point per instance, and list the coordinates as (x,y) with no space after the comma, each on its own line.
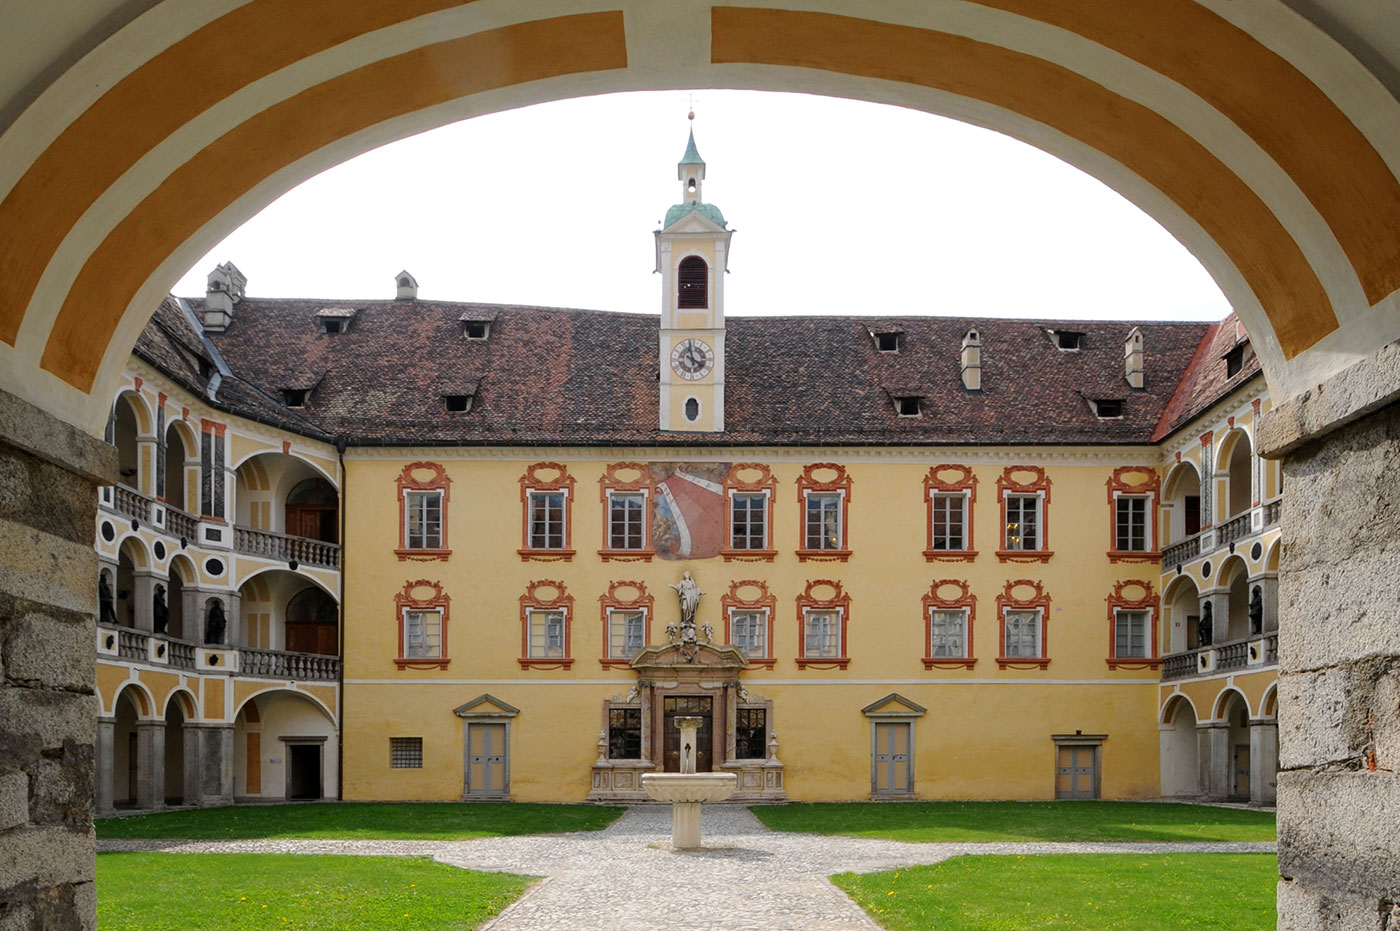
(627,876)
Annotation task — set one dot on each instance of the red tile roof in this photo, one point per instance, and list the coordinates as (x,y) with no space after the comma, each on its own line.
(565,377)
(1205,380)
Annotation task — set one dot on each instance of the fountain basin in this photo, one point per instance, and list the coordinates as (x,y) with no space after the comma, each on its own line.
(689,787)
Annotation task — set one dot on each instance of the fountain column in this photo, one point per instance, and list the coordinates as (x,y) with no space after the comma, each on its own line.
(685,816)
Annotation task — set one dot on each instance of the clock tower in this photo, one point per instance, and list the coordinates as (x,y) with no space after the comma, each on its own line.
(692,254)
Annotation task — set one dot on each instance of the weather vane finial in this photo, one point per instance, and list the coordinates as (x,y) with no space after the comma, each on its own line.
(690,100)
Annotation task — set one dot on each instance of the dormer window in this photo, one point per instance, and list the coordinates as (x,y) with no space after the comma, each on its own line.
(457,403)
(334,319)
(476,329)
(907,406)
(693,283)
(888,341)
(1068,340)
(1234,360)
(332,326)
(1107,408)
(294,397)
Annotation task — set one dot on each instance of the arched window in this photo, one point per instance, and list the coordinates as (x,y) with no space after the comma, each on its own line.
(312,511)
(693,283)
(312,623)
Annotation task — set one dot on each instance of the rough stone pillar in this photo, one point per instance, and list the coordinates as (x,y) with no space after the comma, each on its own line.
(1219,602)
(150,765)
(1216,761)
(1339,650)
(106,739)
(216,764)
(49,473)
(143,590)
(1263,762)
(191,793)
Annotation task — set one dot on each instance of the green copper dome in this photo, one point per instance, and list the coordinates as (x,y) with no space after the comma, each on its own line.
(706,210)
(692,154)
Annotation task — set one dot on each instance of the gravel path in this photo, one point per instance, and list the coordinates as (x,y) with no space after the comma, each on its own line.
(627,877)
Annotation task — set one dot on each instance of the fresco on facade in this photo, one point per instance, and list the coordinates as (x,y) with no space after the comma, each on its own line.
(689,519)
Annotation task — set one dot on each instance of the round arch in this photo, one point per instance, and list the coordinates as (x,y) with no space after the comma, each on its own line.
(184,566)
(1171,707)
(1271,557)
(1223,701)
(304,576)
(1178,472)
(1225,449)
(1189,110)
(140,410)
(189,705)
(277,689)
(133,547)
(1177,586)
(1231,567)
(304,460)
(142,698)
(1268,704)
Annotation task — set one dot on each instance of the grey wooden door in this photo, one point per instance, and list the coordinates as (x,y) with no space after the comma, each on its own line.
(486,759)
(892,773)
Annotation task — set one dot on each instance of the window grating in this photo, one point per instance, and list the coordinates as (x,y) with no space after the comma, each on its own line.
(405,752)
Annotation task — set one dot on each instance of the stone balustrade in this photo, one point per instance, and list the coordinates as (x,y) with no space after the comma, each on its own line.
(132,503)
(1233,529)
(181,654)
(133,644)
(278,664)
(1232,655)
(1272,511)
(182,525)
(284,548)
(1180,665)
(1178,553)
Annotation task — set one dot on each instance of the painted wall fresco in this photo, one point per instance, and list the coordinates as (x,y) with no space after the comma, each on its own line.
(690,519)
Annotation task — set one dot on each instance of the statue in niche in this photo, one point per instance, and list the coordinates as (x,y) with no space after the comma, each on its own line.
(1256,611)
(215,623)
(160,613)
(106,602)
(685,633)
(1205,626)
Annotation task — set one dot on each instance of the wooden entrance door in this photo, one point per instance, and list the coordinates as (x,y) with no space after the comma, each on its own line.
(486,760)
(683,706)
(892,774)
(1076,772)
(1241,781)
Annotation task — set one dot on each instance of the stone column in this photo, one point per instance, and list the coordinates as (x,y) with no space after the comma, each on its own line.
(1219,602)
(49,474)
(1217,761)
(1339,649)
(106,737)
(143,590)
(191,792)
(1263,762)
(150,765)
(215,764)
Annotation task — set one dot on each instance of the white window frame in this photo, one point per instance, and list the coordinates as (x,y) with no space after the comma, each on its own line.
(833,634)
(1037,619)
(1039,498)
(619,493)
(408,521)
(760,627)
(767,497)
(933,645)
(838,501)
(1145,529)
(535,495)
(544,649)
(618,622)
(934,495)
(1145,633)
(424,647)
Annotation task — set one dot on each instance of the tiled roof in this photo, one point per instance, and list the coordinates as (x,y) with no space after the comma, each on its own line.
(564,377)
(171,343)
(1205,380)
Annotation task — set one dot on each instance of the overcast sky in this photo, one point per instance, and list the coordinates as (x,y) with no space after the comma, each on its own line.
(838,207)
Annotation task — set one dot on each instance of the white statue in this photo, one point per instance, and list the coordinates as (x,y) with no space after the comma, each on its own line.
(689,594)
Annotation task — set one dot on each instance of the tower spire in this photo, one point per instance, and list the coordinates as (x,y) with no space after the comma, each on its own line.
(690,170)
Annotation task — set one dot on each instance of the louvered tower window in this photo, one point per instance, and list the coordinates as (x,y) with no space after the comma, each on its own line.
(693,283)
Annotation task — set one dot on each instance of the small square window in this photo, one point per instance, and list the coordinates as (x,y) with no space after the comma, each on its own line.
(405,752)
(333,326)
(1108,408)
(907,406)
(888,342)
(1234,361)
(294,397)
(1069,341)
(476,329)
(457,403)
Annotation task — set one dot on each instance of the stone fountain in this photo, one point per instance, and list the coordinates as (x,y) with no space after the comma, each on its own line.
(687,789)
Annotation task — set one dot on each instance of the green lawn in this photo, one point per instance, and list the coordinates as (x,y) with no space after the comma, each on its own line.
(362,821)
(1022,821)
(1087,892)
(217,891)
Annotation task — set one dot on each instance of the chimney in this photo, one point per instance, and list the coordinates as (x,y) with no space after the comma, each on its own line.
(972,361)
(225,290)
(408,287)
(1132,358)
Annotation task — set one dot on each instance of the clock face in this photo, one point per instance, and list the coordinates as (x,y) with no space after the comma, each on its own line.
(692,359)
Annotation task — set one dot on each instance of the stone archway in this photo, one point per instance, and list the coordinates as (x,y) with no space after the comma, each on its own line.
(128,134)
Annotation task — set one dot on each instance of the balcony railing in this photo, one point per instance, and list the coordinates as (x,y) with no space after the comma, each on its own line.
(1271,650)
(133,644)
(132,503)
(277,664)
(1178,553)
(182,525)
(1180,665)
(1272,511)
(1233,529)
(286,548)
(1232,656)
(181,654)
